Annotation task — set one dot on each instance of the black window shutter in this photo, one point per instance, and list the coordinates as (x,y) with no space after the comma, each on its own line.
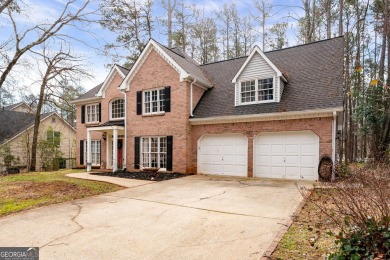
(136,152)
(81,152)
(167,96)
(139,102)
(83,114)
(100,112)
(169,152)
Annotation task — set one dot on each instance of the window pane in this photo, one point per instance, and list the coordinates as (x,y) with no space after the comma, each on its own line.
(265,89)
(248,91)
(117,108)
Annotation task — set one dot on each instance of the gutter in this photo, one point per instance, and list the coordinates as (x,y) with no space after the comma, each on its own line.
(266,117)
(86,100)
(191,98)
(125,139)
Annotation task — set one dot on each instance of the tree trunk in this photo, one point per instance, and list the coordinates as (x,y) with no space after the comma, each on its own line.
(341,10)
(38,121)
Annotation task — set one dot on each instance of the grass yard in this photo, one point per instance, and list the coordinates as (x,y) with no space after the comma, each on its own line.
(308,237)
(24,191)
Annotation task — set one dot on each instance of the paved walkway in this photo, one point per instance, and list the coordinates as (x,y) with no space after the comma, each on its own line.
(128,183)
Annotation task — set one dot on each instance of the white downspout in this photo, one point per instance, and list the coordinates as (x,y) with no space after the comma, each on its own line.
(191,98)
(125,135)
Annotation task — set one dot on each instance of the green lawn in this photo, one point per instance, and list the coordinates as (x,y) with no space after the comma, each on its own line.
(24,191)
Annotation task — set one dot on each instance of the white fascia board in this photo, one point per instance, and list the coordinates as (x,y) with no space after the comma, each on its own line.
(104,128)
(266,117)
(85,100)
(152,44)
(107,81)
(259,51)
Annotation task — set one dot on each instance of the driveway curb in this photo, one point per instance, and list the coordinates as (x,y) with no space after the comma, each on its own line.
(283,229)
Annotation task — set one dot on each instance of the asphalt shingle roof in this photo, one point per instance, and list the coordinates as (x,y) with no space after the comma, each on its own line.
(186,63)
(91,93)
(13,123)
(315,81)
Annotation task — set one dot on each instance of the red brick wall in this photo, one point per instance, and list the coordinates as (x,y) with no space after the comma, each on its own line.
(111,93)
(155,72)
(322,127)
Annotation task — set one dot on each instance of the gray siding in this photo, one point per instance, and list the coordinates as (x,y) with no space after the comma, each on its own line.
(257,68)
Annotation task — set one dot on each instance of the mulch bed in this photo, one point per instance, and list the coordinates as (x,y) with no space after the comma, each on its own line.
(149,176)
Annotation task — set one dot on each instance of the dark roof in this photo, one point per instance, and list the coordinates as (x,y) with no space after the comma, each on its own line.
(10,107)
(315,80)
(14,123)
(186,63)
(113,123)
(91,93)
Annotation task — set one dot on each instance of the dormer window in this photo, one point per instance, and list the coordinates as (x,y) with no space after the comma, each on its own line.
(117,109)
(257,91)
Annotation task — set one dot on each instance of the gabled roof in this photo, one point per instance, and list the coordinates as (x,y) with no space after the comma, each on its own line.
(182,63)
(315,81)
(115,69)
(97,92)
(255,50)
(15,123)
(16,105)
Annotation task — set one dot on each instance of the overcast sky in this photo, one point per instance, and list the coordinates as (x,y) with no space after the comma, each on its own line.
(90,43)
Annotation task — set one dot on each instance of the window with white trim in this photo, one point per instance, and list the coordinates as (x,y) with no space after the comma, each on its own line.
(154,152)
(257,91)
(117,109)
(153,101)
(95,150)
(92,113)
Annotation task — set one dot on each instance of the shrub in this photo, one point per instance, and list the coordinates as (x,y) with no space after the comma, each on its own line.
(359,206)
(370,242)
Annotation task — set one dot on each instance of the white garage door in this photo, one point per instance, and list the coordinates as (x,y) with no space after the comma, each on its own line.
(290,155)
(223,155)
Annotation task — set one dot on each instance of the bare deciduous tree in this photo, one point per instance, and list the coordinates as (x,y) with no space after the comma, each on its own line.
(59,66)
(24,40)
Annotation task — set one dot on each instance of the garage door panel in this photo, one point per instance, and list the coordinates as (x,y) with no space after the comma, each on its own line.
(223,154)
(286,155)
(277,149)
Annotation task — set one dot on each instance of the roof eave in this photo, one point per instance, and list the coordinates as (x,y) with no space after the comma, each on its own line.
(84,100)
(266,117)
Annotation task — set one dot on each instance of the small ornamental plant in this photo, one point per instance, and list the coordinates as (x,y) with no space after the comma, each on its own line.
(369,242)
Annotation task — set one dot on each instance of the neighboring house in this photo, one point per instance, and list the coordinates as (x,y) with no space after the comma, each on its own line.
(20,107)
(273,114)
(57,139)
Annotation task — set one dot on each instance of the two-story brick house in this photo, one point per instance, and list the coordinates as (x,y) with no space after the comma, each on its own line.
(271,114)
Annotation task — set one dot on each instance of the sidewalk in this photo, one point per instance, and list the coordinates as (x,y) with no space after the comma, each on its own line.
(128,183)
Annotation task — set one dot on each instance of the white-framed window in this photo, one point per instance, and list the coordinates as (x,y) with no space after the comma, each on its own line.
(153,101)
(154,152)
(54,137)
(257,91)
(92,113)
(117,109)
(95,149)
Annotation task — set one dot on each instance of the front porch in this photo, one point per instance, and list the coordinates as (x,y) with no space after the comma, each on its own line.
(113,132)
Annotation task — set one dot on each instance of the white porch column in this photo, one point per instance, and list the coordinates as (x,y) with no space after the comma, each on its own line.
(89,151)
(115,151)
(108,151)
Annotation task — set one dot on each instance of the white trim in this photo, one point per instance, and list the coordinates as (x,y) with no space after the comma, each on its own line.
(259,51)
(265,117)
(97,113)
(334,132)
(104,128)
(256,80)
(85,101)
(153,45)
(110,109)
(159,112)
(107,81)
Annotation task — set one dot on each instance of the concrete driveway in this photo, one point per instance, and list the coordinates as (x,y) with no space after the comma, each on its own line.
(196,217)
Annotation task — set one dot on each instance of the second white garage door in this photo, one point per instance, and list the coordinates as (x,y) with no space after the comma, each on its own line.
(223,155)
(290,155)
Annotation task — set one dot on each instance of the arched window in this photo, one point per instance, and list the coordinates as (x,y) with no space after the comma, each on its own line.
(117,109)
